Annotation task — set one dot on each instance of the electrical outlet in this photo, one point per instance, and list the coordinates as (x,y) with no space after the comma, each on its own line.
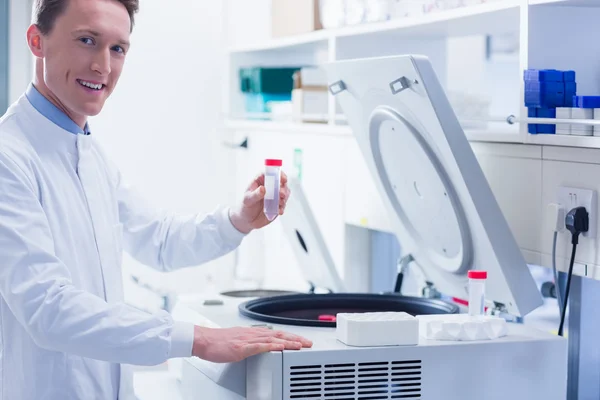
(570,198)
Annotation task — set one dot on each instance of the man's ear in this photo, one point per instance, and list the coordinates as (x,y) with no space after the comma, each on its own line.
(35,41)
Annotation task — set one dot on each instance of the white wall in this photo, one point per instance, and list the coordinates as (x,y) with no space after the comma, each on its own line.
(20,67)
(161,125)
(247,22)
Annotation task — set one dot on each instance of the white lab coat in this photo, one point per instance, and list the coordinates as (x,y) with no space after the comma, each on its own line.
(65,216)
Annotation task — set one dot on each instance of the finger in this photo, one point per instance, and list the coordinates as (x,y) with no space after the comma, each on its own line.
(260,179)
(253,349)
(254,196)
(284,193)
(284,178)
(291,337)
(282,207)
(290,345)
(253,186)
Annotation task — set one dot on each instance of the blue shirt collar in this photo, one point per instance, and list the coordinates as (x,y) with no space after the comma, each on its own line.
(53,113)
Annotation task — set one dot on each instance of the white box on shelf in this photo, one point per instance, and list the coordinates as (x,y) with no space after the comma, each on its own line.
(294,17)
(582,113)
(596,117)
(563,113)
(310,103)
(377,329)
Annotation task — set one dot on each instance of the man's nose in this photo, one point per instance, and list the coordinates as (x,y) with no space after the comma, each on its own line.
(101,62)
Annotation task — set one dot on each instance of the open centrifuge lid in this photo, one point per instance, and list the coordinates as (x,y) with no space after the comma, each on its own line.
(439,202)
(304,235)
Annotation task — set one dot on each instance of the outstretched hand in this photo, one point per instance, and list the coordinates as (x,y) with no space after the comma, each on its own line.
(249,215)
(237,344)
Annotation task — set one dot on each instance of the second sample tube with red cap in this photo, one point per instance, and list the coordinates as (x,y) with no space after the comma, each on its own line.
(477,292)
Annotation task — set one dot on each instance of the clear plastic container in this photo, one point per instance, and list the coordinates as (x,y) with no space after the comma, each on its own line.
(332,13)
(272,184)
(477,292)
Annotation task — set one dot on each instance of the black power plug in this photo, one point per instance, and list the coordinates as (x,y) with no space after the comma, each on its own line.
(577,221)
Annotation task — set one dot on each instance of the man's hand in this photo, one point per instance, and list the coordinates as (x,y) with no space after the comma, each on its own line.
(250,215)
(236,344)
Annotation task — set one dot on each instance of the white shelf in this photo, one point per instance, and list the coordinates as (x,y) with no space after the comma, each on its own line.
(475,135)
(493,135)
(497,17)
(565,140)
(307,40)
(287,127)
(568,3)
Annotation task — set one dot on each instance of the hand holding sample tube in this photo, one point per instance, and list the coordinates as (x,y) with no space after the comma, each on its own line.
(264,200)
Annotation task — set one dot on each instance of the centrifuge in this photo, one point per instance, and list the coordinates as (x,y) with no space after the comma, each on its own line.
(448,222)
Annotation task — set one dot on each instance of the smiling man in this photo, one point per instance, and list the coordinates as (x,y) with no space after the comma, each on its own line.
(66,215)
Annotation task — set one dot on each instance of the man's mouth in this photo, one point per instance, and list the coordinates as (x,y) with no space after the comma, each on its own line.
(90,85)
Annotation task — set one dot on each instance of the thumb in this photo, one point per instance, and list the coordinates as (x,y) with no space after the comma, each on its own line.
(255,196)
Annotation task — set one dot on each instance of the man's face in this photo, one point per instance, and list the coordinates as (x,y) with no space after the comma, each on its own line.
(84,54)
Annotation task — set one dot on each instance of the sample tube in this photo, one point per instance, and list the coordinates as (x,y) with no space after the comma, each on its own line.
(272,182)
(477,292)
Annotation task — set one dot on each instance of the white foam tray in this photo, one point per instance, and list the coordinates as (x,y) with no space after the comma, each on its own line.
(377,329)
(461,327)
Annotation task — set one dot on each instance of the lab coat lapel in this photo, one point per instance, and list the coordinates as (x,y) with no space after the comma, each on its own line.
(107,235)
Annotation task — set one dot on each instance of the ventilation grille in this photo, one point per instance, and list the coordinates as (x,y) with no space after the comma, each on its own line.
(362,381)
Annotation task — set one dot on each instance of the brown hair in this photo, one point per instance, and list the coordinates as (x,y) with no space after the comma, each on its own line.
(45,12)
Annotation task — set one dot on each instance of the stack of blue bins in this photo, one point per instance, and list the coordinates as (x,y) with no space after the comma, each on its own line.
(546,89)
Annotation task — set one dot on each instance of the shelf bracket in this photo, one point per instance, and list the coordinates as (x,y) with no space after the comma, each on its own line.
(337,87)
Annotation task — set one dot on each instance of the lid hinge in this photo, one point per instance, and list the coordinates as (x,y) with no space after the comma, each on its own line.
(499,310)
(313,288)
(430,292)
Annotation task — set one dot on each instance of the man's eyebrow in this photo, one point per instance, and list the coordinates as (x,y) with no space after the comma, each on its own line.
(91,32)
(98,34)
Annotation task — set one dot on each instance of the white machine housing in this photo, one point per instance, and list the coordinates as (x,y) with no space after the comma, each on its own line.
(526,364)
(445,215)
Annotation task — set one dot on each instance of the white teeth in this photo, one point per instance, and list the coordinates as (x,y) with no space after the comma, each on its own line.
(91,85)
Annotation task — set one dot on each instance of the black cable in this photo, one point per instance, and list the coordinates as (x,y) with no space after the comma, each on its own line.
(564,305)
(577,221)
(398,285)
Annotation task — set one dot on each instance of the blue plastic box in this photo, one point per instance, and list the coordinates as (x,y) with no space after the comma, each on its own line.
(586,101)
(544,94)
(543,75)
(541,112)
(569,76)
(259,102)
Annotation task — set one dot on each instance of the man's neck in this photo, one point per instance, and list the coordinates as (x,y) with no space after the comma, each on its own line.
(47,93)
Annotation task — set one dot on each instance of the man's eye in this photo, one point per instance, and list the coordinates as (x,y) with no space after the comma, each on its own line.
(119,49)
(87,40)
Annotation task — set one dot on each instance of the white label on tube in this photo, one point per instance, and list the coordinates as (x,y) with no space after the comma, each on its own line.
(270,187)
